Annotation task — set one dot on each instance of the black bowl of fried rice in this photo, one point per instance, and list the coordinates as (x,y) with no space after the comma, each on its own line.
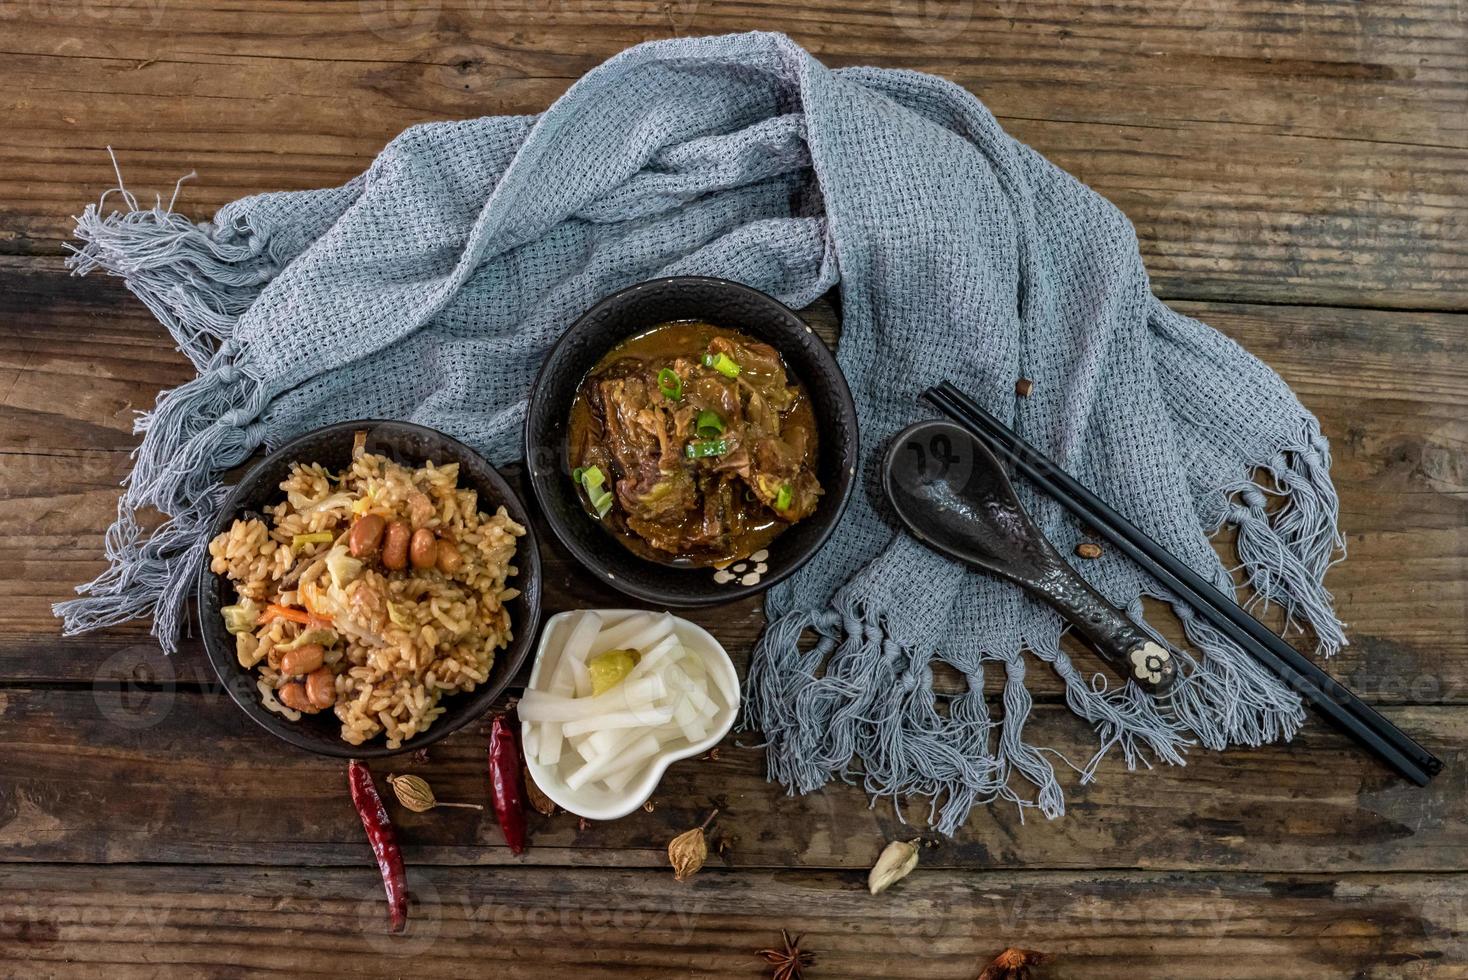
(370,588)
(691,441)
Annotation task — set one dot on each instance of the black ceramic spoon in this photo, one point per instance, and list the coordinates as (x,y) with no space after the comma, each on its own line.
(954,496)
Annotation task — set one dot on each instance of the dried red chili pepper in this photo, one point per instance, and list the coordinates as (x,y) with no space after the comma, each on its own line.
(504,782)
(383,840)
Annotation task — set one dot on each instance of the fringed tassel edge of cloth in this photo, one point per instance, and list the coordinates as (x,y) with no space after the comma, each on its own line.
(195,284)
(1286,551)
(193,435)
(147,576)
(859,704)
(197,279)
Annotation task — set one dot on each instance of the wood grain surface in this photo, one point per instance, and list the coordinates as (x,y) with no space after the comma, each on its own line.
(1295,172)
(1264,148)
(80,921)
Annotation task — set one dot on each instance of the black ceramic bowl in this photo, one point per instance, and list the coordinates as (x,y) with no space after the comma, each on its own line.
(410,445)
(631,311)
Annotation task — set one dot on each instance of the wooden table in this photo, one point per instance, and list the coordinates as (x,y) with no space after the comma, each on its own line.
(1296,173)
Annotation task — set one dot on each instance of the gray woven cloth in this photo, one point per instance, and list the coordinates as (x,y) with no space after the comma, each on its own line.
(431,287)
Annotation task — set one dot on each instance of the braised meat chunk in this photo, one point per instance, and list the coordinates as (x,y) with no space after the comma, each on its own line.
(694,445)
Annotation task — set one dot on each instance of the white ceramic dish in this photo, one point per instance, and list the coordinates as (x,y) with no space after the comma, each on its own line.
(595,801)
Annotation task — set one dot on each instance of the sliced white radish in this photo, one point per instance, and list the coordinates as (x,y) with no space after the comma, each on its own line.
(677,678)
(653,629)
(618,782)
(666,651)
(728,689)
(570,676)
(650,718)
(600,743)
(690,721)
(548,748)
(582,747)
(550,660)
(645,747)
(694,667)
(692,691)
(538,706)
(617,637)
(633,757)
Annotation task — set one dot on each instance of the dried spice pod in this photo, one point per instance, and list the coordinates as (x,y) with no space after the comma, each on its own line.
(894,863)
(414,793)
(1012,964)
(689,850)
(541,803)
(789,962)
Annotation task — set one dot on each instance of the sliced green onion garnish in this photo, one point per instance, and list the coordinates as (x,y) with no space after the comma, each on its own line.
(709,425)
(670,384)
(703,448)
(722,363)
(784,498)
(593,481)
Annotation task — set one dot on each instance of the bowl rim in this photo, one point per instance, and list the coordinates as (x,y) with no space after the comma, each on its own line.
(528,576)
(726,593)
(660,764)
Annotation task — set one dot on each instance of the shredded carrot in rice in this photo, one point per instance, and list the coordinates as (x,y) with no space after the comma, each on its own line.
(275,611)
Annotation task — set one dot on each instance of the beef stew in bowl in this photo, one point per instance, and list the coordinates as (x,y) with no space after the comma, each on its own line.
(573,498)
(694,445)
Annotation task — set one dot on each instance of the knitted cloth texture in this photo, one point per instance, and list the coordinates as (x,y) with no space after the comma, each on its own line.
(431,287)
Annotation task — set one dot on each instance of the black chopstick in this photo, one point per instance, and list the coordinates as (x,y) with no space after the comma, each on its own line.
(1325,693)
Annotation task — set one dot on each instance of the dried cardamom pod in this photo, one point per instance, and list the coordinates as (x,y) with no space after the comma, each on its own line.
(894,863)
(543,804)
(414,793)
(688,851)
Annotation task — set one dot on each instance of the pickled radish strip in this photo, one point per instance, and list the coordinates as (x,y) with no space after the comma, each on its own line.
(574,651)
(600,743)
(634,633)
(571,678)
(659,629)
(617,782)
(642,749)
(667,650)
(619,719)
(564,680)
(546,747)
(634,755)
(689,721)
(617,634)
(729,693)
(630,696)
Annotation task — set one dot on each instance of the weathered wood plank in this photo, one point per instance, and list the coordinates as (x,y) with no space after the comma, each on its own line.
(520,922)
(79,357)
(1272,150)
(110,774)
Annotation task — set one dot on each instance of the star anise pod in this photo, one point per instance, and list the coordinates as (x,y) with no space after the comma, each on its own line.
(1012,964)
(789,962)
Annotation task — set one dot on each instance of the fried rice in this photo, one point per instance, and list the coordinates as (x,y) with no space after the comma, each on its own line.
(392,641)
